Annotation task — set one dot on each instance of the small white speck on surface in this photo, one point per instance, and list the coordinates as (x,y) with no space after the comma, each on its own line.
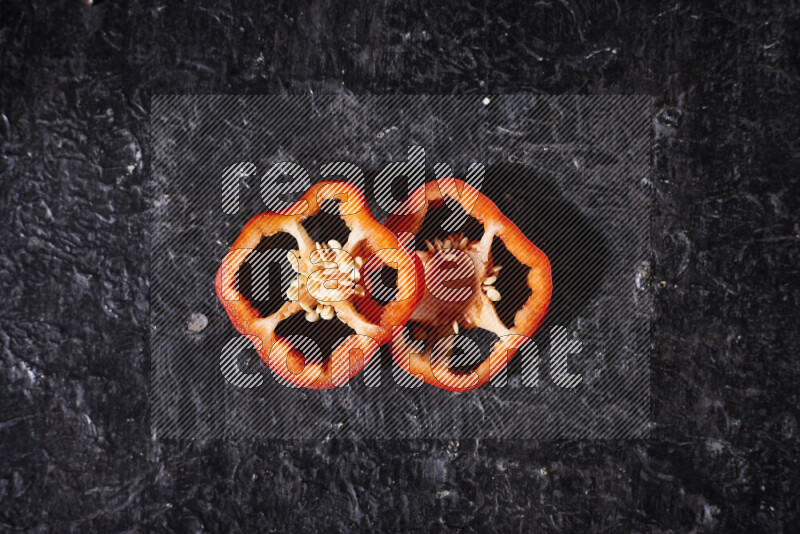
(197,323)
(486,100)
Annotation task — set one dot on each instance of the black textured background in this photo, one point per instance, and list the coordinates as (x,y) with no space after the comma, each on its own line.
(75,84)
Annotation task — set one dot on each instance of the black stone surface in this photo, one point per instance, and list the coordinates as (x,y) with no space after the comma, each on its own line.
(76,453)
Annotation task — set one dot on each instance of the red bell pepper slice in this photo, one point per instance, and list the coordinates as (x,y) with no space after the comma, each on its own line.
(477,310)
(319,266)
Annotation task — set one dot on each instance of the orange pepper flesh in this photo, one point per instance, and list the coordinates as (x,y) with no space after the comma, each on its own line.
(327,280)
(444,317)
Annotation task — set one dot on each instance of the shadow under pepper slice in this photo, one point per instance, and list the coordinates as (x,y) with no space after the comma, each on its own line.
(328,284)
(443,311)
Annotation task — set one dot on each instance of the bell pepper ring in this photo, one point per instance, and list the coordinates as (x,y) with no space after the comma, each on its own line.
(444,311)
(328,284)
